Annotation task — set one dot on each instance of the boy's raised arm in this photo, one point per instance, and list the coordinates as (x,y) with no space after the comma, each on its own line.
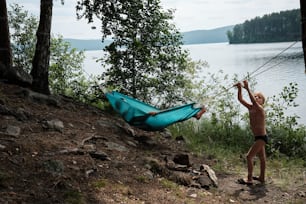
(239,95)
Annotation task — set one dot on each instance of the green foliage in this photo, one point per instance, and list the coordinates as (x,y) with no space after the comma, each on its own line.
(278,106)
(65,72)
(65,67)
(276,27)
(287,137)
(22,29)
(226,125)
(145,59)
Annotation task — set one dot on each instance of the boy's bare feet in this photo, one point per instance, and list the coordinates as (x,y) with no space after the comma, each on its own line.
(244,182)
(258,179)
(200,113)
(152,113)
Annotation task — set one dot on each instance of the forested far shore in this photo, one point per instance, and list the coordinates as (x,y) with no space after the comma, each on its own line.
(284,26)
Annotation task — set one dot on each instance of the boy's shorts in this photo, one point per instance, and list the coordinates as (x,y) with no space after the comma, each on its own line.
(262,137)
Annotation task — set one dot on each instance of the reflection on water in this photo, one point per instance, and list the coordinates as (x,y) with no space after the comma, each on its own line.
(241,59)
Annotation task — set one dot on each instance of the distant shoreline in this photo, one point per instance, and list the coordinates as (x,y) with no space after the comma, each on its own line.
(216,35)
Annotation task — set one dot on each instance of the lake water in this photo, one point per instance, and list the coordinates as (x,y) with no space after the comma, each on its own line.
(287,65)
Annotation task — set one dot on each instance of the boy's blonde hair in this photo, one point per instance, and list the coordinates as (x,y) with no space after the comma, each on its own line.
(262,96)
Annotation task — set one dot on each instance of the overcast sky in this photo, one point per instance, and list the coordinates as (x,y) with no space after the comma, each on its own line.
(189,14)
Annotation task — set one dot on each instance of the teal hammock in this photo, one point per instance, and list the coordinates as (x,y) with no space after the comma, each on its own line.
(136,113)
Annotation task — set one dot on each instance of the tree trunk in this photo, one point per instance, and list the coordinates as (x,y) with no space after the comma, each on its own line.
(5,46)
(303,24)
(40,70)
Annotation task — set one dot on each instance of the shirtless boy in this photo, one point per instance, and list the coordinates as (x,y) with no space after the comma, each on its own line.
(258,127)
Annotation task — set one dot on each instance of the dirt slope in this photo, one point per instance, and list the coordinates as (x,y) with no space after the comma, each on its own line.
(54,150)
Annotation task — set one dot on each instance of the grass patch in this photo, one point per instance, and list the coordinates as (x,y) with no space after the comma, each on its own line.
(100,183)
(118,187)
(173,187)
(283,170)
(74,197)
(286,173)
(142,179)
(168,184)
(297,201)
(121,188)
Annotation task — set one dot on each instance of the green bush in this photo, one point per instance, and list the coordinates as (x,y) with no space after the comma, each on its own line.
(225,125)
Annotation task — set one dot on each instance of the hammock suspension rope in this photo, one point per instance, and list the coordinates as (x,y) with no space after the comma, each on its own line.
(253,74)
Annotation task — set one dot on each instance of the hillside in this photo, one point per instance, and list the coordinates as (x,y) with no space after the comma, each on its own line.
(55,150)
(192,37)
(206,36)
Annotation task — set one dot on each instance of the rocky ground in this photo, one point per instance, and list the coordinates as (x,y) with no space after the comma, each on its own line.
(54,150)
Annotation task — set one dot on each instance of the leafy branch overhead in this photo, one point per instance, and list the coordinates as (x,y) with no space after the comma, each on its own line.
(145,59)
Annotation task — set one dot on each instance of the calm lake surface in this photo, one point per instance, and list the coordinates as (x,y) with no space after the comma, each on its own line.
(286,65)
